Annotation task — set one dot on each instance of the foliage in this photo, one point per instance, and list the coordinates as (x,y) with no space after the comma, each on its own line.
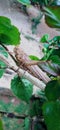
(51,112)
(22,88)
(24,2)
(34,57)
(40,2)
(53,93)
(51,56)
(2,70)
(9,123)
(1,125)
(3,51)
(11,38)
(42,110)
(52,16)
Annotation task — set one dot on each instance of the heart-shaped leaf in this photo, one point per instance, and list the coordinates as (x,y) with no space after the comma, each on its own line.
(22,88)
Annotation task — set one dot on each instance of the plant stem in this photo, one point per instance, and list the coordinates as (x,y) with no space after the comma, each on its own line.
(12,115)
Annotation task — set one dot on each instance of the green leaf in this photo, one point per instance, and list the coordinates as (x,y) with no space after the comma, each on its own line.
(1,125)
(55,3)
(55,59)
(1,72)
(2,64)
(52,90)
(52,16)
(55,41)
(22,88)
(24,2)
(36,107)
(33,57)
(9,34)
(56,52)
(44,38)
(51,112)
(26,123)
(3,51)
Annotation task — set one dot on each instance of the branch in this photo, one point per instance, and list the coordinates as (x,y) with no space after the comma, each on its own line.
(12,115)
(22,61)
(21,72)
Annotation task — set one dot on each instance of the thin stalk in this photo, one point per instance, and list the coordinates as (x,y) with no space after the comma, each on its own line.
(12,115)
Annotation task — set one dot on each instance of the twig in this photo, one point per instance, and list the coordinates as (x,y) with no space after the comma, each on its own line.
(12,115)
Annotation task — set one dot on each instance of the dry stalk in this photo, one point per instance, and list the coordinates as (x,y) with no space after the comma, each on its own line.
(24,73)
(24,61)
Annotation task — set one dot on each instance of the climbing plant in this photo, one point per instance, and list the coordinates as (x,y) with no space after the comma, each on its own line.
(42,109)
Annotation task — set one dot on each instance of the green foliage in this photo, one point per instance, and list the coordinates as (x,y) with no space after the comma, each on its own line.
(8,122)
(22,88)
(24,2)
(2,66)
(1,124)
(52,17)
(34,57)
(55,3)
(26,123)
(3,51)
(1,72)
(22,108)
(55,59)
(52,90)
(45,107)
(51,56)
(36,107)
(9,34)
(42,2)
(44,38)
(51,112)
